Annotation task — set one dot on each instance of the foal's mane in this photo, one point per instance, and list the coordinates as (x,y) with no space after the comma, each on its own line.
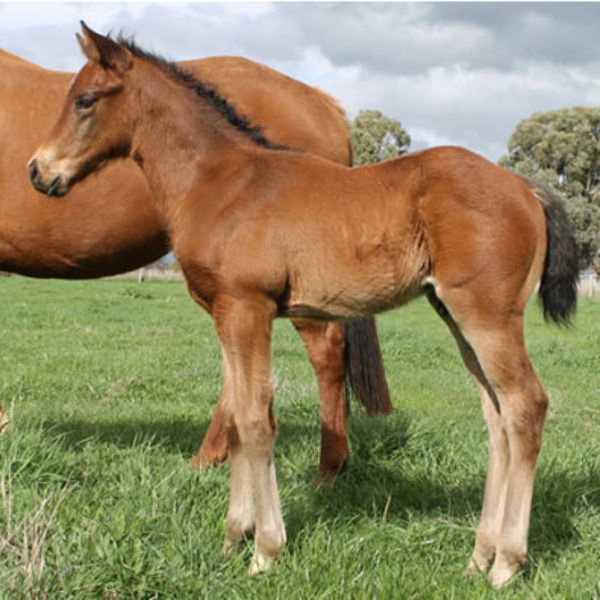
(204,91)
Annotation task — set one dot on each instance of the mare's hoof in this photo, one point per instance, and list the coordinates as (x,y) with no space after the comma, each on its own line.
(198,463)
(328,472)
(201,461)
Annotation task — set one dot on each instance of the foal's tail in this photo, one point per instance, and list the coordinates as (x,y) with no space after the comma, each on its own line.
(364,367)
(558,286)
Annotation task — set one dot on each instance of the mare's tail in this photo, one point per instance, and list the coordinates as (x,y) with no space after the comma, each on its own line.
(558,286)
(364,367)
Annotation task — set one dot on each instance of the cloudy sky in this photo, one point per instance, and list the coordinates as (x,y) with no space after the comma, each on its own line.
(459,73)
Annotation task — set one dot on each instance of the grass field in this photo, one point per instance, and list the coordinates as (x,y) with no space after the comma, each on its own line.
(111,385)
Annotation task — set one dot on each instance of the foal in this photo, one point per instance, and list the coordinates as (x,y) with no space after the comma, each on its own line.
(258,233)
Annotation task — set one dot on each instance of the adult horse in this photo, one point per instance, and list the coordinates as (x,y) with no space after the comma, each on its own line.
(258,233)
(109,224)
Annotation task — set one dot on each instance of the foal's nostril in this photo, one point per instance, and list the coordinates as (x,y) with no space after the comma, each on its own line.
(33,170)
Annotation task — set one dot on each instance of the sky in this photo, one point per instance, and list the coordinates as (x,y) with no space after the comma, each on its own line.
(451,73)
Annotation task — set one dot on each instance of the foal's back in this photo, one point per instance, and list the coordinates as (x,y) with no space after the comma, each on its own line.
(328,232)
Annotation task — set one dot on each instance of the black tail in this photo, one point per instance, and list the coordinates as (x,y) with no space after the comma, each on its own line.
(558,287)
(364,367)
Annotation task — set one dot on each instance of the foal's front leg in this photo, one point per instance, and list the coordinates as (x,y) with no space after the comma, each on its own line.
(244,328)
(241,515)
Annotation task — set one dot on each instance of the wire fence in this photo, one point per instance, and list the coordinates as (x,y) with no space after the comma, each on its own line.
(589,283)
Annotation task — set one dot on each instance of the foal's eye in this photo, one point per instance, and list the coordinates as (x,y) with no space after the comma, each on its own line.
(84,102)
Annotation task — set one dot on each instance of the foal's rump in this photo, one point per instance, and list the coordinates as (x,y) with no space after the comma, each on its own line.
(493,237)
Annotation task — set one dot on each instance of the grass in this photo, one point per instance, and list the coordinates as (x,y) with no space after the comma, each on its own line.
(111,385)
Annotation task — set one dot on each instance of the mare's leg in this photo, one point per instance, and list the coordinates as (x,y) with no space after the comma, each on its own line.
(244,328)
(214,445)
(514,406)
(324,343)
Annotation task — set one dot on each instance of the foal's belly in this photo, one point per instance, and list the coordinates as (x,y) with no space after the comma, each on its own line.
(338,296)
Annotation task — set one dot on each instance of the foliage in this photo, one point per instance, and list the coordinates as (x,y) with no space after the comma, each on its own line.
(110,394)
(561,149)
(376,137)
(585,218)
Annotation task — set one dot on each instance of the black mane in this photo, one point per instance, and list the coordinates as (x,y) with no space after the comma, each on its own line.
(203,91)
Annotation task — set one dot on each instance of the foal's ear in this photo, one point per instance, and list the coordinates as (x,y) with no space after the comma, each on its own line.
(103,50)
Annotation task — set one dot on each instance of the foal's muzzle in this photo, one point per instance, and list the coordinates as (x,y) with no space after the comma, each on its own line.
(54,187)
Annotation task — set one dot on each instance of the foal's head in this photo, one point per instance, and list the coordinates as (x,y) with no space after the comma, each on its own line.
(96,122)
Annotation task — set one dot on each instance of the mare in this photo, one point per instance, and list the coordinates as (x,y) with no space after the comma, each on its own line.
(263,232)
(109,225)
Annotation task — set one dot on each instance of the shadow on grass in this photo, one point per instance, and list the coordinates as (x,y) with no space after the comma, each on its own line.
(381,478)
(177,436)
(380,485)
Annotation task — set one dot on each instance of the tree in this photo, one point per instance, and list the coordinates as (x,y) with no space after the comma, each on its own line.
(561,149)
(376,137)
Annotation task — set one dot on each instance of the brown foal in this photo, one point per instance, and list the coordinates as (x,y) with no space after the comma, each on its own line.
(264,232)
(108,224)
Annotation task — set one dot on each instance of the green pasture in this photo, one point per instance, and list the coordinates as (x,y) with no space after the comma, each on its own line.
(110,386)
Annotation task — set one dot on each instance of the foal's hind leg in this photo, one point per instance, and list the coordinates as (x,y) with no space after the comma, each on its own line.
(325,346)
(520,401)
(494,496)
(523,403)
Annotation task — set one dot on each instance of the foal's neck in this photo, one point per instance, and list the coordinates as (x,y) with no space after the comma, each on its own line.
(178,135)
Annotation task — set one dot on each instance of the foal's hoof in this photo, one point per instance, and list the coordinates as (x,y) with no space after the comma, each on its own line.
(477,565)
(3,420)
(228,547)
(482,557)
(472,569)
(503,572)
(260,563)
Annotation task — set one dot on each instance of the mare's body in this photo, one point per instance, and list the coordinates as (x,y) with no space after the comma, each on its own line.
(259,235)
(109,225)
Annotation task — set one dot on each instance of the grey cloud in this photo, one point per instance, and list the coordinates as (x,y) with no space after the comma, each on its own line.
(461,73)
(408,38)
(564,33)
